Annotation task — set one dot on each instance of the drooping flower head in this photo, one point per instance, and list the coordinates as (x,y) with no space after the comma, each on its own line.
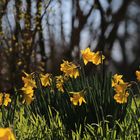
(120,87)
(77,98)
(116,79)
(89,56)
(28,98)
(59,83)
(69,69)
(28,80)
(121,97)
(28,89)
(28,93)
(7,99)
(121,92)
(46,79)
(98,58)
(4,99)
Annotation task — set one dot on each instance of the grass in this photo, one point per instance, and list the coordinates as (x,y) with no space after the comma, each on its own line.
(31,126)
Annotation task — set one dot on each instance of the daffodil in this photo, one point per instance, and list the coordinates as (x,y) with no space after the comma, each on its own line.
(77,98)
(87,55)
(121,87)
(6,134)
(45,79)
(121,92)
(28,98)
(28,80)
(28,90)
(117,79)
(28,94)
(69,69)
(121,97)
(138,75)
(5,98)
(97,58)
(59,83)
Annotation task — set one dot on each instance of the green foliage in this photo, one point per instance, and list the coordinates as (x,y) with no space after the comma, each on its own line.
(31,126)
(51,115)
(34,127)
(100,104)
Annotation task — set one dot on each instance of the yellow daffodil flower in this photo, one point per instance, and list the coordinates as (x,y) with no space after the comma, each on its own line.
(121,87)
(29,84)
(28,94)
(59,83)
(45,79)
(28,80)
(87,55)
(77,98)
(121,92)
(97,58)
(28,90)
(7,99)
(4,98)
(117,79)
(6,134)
(28,98)
(121,97)
(69,69)
(138,75)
